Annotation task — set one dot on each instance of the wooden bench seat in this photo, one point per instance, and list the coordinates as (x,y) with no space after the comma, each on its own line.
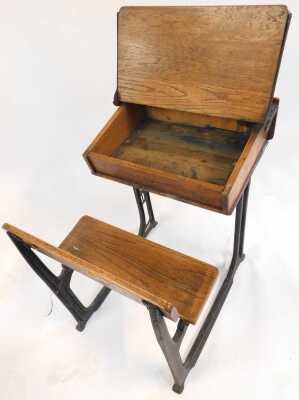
(178,284)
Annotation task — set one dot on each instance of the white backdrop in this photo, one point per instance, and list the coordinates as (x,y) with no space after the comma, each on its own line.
(58,76)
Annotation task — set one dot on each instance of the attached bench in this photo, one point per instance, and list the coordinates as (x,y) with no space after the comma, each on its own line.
(169,283)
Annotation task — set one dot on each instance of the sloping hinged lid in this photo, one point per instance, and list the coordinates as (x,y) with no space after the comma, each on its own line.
(220,61)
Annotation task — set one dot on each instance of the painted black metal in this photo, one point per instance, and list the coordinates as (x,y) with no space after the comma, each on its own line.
(60,285)
(142,197)
(180,332)
(271,115)
(116,100)
(170,346)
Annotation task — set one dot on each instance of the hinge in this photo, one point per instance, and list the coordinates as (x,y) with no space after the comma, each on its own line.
(270,121)
(116,100)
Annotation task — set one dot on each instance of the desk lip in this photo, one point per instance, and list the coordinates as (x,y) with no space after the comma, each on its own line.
(211,188)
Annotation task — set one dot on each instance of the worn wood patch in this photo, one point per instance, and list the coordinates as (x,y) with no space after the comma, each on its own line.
(199,153)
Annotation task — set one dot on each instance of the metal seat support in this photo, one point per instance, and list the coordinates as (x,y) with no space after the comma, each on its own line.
(142,197)
(60,285)
(171,346)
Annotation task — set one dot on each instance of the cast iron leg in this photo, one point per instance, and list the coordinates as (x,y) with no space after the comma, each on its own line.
(170,346)
(245,203)
(145,226)
(82,313)
(61,285)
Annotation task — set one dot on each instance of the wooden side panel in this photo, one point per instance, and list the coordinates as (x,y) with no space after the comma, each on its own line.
(219,61)
(250,156)
(117,129)
(201,193)
(244,168)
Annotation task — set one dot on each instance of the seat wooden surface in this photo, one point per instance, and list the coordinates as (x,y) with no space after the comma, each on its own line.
(178,284)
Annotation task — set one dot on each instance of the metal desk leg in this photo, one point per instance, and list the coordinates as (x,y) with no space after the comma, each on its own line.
(142,198)
(170,346)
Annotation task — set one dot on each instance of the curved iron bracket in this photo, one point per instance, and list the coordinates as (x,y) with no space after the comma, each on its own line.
(142,197)
(60,285)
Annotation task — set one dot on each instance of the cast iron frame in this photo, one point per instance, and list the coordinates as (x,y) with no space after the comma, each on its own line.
(170,346)
(146,225)
(60,285)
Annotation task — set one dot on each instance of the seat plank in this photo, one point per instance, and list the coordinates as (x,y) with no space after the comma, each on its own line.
(132,265)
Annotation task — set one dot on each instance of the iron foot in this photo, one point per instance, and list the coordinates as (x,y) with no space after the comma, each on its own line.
(178,388)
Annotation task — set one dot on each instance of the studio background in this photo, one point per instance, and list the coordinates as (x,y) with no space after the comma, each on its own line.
(58,77)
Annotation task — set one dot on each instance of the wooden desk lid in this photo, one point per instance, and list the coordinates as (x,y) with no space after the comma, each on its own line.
(220,61)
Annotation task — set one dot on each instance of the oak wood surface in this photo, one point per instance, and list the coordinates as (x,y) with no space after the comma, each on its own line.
(249,158)
(198,153)
(244,167)
(187,118)
(140,172)
(219,61)
(117,129)
(197,192)
(132,265)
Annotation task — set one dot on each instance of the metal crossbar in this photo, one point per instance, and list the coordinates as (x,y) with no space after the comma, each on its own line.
(171,346)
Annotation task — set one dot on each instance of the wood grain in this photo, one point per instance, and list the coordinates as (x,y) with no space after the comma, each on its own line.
(187,118)
(244,168)
(209,170)
(117,129)
(197,192)
(219,61)
(132,265)
(198,153)
(248,159)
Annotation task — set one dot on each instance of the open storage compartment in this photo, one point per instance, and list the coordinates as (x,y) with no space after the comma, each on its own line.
(196,100)
(194,158)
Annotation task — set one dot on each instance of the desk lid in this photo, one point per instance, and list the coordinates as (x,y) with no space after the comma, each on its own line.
(220,61)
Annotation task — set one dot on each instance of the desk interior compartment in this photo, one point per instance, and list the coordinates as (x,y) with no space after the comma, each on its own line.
(182,155)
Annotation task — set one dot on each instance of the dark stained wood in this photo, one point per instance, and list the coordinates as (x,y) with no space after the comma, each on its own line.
(198,153)
(219,61)
(132,265)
